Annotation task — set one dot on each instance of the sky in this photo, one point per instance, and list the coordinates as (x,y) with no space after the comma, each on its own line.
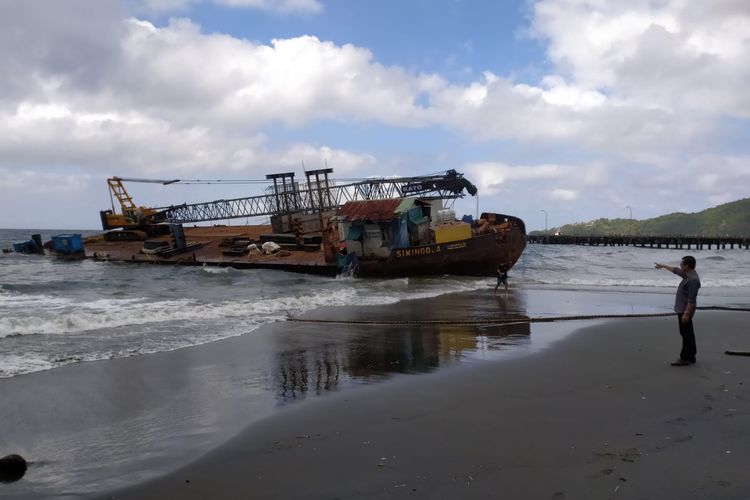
(560,111)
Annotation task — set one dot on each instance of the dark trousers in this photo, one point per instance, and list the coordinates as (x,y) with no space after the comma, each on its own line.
(687,333)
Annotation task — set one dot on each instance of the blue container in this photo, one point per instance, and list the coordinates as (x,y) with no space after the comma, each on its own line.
(67,243)
(178,235)
(27,246)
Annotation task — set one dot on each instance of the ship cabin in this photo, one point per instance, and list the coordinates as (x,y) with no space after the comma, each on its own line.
(373,228)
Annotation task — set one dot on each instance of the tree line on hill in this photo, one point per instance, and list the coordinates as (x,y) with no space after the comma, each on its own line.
(730,219)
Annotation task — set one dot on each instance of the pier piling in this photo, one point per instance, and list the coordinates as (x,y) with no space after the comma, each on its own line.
(677,242)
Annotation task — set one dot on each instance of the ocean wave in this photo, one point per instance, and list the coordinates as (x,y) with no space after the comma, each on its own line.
(714,257)
(99,311)
(51,303)
(601,281)
(115,313)
(216,270)
(395,290)
(138,318)
(11,365)
(65,316)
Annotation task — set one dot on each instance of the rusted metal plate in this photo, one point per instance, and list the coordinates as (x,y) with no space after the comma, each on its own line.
(370,210)
(210,251)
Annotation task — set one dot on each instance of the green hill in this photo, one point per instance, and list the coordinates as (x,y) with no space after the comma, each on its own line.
(730,219)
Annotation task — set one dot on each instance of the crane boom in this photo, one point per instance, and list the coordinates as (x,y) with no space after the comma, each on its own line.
(117,190)
(321,196)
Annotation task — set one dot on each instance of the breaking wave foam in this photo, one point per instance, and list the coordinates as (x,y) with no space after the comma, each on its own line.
(64,318)
(95,321)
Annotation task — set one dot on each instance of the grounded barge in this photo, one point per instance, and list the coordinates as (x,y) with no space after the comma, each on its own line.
(480,255)
(373,228)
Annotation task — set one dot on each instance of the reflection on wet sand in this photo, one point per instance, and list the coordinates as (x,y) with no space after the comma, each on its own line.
(363,353)
(302,370)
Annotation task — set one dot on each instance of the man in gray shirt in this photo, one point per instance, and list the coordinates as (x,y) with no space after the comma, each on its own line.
(684,306)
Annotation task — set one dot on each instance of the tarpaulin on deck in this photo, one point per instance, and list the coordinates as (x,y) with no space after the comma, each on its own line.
(400,232)
(355,232)
(416,217)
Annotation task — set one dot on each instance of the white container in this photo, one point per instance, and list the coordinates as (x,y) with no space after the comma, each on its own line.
(444,216)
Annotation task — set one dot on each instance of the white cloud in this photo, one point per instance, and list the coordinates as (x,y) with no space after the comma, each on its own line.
(489,176)
(342,162)
(191,76)
(561,93)
(564,194)
(284,6)
(179,97)
(669,54)
(653,86)
(40,183)
(719,175)
(279,5)
(718,199)
(561,182)
(185,78)
(162,5)
(32,112)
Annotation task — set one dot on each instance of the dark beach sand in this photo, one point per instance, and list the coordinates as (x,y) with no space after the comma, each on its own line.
(94,427)
(599,414)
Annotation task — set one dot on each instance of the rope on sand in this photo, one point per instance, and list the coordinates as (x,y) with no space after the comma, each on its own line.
(514,320)
(722,308)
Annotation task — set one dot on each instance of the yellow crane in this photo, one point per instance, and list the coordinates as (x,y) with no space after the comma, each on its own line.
(130,216)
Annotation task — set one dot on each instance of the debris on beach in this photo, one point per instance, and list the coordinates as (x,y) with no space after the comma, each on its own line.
(12,468)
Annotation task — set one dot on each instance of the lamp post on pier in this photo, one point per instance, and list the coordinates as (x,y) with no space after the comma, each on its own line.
(545,221)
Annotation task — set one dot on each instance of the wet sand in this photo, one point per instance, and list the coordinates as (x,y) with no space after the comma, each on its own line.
(599,414)
(92,427)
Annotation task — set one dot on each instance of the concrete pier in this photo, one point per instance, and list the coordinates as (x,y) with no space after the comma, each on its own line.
(686,242)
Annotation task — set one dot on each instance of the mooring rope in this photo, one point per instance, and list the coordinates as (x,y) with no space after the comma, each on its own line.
(504,321)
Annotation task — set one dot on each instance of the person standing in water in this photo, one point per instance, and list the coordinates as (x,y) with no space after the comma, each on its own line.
(502,278)
(684,306)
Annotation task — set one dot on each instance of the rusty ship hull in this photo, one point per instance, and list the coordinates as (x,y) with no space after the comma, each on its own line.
(480,255)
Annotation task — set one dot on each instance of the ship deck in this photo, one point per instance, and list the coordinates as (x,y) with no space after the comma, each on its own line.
(206,246)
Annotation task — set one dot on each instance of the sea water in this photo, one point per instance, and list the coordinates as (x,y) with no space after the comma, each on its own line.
(84,401)
(54,313)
